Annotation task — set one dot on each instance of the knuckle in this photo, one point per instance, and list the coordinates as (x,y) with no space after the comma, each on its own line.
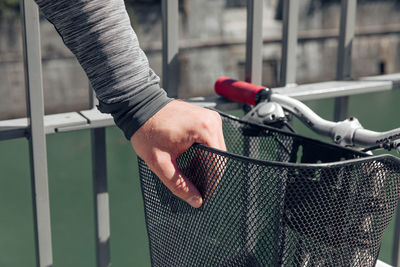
(205,124)
(212,121)
(218,119)
(152,159)
(156,161)
(161,161)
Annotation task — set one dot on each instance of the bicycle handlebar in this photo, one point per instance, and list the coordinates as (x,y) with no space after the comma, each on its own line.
(359,136)
(348,132)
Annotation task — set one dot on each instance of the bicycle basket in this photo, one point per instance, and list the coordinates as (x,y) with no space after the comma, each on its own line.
(274,199)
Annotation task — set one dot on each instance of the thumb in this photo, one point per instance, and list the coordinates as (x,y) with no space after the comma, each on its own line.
(167,171)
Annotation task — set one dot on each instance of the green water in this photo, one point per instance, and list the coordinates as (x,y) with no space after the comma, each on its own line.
(72,197)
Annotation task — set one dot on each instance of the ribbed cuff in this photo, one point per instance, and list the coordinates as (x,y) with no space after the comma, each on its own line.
(130,114)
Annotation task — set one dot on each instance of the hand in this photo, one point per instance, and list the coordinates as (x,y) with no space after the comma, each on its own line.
(169,133)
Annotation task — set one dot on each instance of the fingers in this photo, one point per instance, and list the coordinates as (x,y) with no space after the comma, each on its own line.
(166,169)
(214,168)
(168,134)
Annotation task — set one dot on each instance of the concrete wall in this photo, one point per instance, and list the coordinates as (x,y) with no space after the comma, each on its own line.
(65,83)
(211,37)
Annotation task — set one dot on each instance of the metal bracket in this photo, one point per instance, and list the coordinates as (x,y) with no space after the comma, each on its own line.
(343,133)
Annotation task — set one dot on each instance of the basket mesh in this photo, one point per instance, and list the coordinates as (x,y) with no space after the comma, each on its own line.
(276,199)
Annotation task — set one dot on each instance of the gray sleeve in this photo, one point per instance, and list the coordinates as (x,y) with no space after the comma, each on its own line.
(100,35)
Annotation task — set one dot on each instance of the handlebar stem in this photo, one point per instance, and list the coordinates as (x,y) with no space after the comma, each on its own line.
(343,132)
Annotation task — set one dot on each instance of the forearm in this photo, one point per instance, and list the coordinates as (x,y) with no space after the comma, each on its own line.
(99,33)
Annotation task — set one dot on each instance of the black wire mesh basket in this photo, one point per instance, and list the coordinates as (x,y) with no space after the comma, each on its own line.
(274,199)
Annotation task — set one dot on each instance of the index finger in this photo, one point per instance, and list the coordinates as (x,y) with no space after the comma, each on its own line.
(167,171)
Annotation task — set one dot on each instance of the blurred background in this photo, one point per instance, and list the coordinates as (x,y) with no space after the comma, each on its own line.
(212,43)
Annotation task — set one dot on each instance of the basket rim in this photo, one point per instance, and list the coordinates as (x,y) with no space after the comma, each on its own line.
(270,128)
(364,157)
(345,162)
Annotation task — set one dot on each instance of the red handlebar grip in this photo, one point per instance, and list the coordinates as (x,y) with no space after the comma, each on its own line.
(237,90)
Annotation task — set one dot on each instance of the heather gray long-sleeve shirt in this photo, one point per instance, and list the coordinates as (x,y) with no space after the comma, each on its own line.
(100,35)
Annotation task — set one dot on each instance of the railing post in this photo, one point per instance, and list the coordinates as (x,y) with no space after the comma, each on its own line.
(289,42)
(170,40)
(254,42)
(346,36)
(396,241)
(101,197)
(253,72)
(37,138)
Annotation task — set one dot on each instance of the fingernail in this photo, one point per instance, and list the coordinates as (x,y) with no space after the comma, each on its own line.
(195,201)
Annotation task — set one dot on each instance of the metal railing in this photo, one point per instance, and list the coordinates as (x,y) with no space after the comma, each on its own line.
(37,125)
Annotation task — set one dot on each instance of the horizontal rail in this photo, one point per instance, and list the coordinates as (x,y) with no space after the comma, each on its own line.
(62,122)
(90,119)
(12,132)
(334,89)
